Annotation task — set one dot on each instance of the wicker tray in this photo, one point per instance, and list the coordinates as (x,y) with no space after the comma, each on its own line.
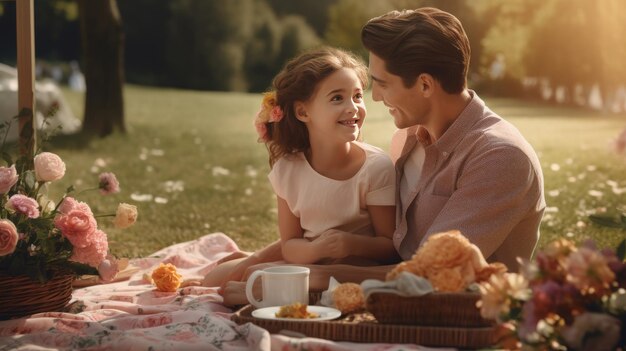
(437,309)
(21,296)
(353,328)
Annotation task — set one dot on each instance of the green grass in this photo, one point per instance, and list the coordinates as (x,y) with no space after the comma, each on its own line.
(191,137)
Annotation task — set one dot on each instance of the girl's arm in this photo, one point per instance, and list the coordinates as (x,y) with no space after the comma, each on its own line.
(295,248)
(339,244)
(380,247)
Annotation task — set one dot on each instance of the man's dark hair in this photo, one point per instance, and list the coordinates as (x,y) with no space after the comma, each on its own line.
(426,40)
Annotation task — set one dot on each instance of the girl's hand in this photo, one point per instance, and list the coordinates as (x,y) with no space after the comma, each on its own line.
(234,293)
(238,272)
(333,243)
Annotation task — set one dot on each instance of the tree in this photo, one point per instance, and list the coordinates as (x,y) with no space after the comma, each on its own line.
(345,20)
(102,41)
(579,43)
(314,12)
(205,43)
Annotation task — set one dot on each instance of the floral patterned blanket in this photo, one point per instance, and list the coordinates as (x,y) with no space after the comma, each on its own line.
(132,315)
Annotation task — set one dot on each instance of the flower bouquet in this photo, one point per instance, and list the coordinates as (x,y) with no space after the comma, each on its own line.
(44,244)
(566,298)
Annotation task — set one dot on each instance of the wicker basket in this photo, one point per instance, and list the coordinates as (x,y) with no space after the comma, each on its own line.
(436,309)
(349,328)
(21,296)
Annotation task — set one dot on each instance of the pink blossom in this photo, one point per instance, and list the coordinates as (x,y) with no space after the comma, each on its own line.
(78,225)
(8,237)
(261,130)
(69,203)
(94,253)
(48,167)
(24,205)
(276,114)
(108,183)
(108,268)
(8,178)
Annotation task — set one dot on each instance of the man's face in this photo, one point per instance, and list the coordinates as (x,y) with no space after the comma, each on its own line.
(407,106)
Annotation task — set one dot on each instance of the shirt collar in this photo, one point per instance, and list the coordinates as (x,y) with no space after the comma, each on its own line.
(453,135)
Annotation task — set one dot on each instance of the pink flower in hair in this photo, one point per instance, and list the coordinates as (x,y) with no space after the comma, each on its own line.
(270,112)
(276,114)
(261,130)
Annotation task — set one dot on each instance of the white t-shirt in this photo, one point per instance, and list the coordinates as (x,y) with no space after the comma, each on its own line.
(413,171)
(322,203)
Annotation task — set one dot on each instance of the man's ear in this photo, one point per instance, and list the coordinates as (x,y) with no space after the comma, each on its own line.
(426,84)
(300,110)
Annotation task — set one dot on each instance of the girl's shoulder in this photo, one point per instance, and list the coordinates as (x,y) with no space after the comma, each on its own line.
(375,157)
(289,161)
(372,151)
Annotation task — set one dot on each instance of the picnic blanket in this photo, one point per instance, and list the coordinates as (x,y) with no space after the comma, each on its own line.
(132,315)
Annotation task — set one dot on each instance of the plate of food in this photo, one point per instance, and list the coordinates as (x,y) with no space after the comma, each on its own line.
(297,312)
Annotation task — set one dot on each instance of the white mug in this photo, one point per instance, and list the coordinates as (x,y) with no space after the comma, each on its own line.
(282,285)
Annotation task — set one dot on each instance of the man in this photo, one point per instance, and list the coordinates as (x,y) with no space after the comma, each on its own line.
(459,165)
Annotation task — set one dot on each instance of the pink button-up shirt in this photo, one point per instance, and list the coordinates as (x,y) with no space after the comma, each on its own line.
(481,177)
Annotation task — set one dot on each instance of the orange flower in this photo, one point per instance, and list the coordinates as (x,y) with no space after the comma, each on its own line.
(348,297)
(447,249)
(448,280)
(166,278)
(449,261)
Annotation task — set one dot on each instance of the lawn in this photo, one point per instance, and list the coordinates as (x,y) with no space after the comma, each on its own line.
(191,164)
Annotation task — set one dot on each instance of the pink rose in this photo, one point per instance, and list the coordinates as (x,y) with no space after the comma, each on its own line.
(48,167)
(8,178)
(67,204)
(78,225)
(24,205)
(94,253)
(108,183)
(8,237)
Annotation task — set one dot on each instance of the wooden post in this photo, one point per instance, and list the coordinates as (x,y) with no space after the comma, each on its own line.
(25,76)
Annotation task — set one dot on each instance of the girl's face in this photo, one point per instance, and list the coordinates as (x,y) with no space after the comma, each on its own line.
(336,110)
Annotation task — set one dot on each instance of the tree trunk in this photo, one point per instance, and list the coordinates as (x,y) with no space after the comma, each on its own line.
(102,41)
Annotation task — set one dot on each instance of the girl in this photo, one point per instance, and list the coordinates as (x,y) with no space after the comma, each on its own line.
(336,195)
